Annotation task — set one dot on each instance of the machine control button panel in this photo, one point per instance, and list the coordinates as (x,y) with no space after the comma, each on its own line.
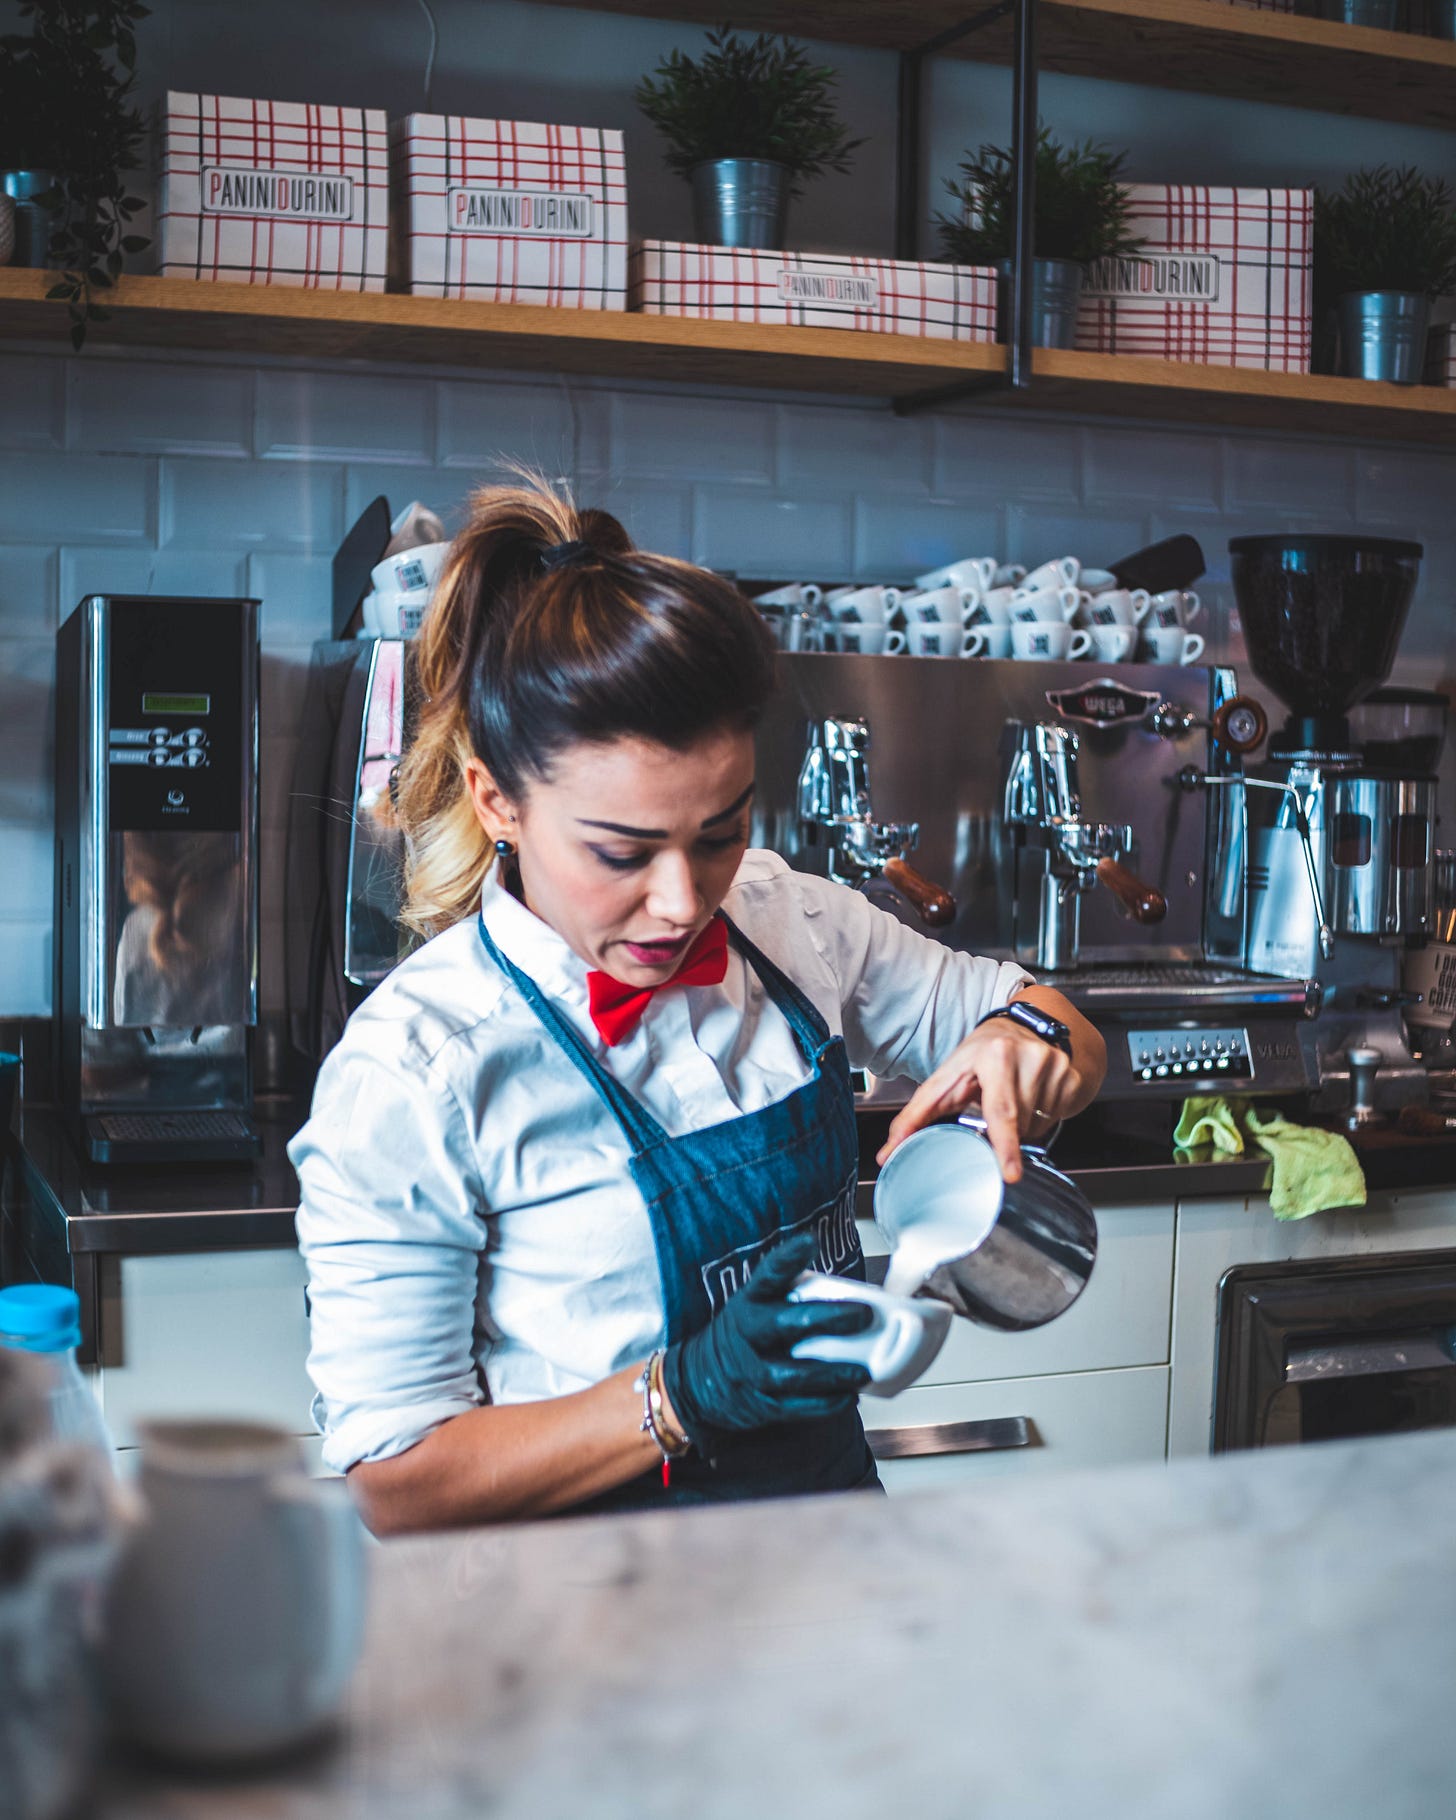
(1202,1056)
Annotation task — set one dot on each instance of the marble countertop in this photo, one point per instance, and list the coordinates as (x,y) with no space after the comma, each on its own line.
(1257,1635)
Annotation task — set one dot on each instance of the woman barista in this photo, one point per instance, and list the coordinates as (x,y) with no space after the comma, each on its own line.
(566,1163)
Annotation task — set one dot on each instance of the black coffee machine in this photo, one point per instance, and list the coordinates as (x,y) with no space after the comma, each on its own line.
(1340,827)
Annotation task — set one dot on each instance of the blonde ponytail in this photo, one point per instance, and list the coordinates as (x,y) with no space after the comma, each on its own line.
(548,628)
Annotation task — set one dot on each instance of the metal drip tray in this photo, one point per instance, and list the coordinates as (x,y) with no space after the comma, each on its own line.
(1186,987)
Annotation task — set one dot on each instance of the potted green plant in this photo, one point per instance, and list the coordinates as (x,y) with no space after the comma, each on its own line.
(748,124)
(1081,215)
(68,133)
(1384,246)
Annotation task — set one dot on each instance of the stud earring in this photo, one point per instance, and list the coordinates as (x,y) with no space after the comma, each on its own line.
(506,848)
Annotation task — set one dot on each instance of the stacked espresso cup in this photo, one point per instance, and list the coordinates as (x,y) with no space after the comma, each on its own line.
(979,607)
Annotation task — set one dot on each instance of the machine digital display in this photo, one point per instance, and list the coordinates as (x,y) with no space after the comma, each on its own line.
(176,704)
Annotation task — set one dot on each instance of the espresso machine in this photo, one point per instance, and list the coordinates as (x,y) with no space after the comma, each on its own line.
(156,953)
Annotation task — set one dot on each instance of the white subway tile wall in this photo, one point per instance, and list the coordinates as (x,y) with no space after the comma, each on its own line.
(179,475)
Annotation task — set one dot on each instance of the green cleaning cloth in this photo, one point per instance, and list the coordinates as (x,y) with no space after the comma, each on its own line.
(1313,1169)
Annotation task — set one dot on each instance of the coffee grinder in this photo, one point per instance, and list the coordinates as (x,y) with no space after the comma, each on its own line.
(1339,849)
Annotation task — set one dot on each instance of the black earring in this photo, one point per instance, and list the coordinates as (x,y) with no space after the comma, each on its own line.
(506,848)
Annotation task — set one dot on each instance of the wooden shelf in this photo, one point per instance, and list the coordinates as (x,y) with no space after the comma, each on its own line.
(613,345)
(1209,46)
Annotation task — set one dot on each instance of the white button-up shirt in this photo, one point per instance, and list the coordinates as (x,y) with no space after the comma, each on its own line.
(470,1227)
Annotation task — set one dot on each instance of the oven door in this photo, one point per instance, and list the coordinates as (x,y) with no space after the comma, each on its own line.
(1335,1348)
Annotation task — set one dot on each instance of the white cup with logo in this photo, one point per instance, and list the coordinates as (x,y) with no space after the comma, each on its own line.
(864,605)
(898,1346)
(793,594)
(992,607)
(1170,645)
(1060,572)
(409,570)
(966,572)
(935,640)
(989,641)
(1176,607)
(866,640)
(939,606)
(1029,606)
(1048,641)
(1096,581)
(1115,607)
(1113,644)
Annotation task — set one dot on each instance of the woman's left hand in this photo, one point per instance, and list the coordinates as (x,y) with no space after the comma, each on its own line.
(1022,1085)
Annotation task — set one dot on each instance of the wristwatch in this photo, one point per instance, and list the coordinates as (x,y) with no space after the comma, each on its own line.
(1050,1029)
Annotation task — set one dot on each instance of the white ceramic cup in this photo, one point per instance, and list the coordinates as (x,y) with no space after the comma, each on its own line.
(1170,645)
(408,570)
(989,641)
(939,606)
(792,594)
(991,607)
(1115,607)
(869,606)
(1113,644)
(899,1345)
(938,641)
(1060,572)
(867,640)
(237,1610)
(1048,641)
(1008,575)
(1176,607)
(388,613)
(1096,581)
(1028,606)
(966,572)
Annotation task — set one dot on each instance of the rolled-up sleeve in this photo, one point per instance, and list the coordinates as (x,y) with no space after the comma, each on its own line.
(391,1227)
(907,1000)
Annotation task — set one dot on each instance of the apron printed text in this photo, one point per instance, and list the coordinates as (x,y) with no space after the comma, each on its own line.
(835,1233)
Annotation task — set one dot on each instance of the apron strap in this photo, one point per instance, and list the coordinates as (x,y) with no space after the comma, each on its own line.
(641,1130)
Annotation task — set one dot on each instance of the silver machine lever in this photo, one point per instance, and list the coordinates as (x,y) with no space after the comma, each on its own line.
(1192,779)
(834,804)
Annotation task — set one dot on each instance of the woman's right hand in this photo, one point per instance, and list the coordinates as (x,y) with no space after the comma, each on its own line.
(738,1372)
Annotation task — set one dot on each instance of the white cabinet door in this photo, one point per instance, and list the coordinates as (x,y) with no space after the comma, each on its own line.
(1121,1318)
(1086,1418)
(217,1333)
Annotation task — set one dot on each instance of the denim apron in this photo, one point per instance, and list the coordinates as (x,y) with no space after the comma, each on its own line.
(718,1200)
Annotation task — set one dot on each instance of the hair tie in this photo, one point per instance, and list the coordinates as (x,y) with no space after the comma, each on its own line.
(566,555)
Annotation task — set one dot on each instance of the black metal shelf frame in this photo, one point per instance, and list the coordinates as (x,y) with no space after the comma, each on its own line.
(909,185)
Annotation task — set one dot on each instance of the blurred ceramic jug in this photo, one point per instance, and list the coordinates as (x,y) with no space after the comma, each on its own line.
(237,1613)
(1005,1255)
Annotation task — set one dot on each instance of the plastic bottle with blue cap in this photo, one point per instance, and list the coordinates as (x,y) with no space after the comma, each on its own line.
(44,1319)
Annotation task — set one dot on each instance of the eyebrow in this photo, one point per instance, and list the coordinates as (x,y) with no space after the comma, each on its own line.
(723,815)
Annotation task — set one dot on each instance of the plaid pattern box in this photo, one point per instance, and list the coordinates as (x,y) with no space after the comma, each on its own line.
(1441,355)
(1222,279)
(815,290)
(274,192)
(506,211)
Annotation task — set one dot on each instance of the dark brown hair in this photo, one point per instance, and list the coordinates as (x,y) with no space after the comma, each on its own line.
(549,630)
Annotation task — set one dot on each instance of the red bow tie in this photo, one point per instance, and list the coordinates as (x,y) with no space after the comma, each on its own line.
(617,1009)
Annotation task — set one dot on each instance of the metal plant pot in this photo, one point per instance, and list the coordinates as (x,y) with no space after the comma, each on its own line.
(740,202)
(1384,15)
(1383,335)
(32,223)
(1056,290)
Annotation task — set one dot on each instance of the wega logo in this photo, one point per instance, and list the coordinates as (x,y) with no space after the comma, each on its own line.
(1187,277)
(278,195)
(832,290)
(549,214)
